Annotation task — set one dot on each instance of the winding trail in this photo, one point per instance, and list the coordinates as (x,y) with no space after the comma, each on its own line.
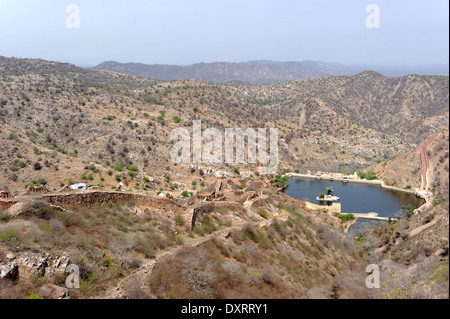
(425,164)
(422,228)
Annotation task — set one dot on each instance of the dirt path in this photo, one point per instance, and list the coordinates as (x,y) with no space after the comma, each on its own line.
(302,117)
(420,229)
(425,165)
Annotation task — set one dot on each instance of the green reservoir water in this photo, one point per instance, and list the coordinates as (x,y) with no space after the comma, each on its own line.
(354,198)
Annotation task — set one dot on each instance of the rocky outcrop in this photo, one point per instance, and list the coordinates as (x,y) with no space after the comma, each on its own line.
(48,291)
(42,264)
(9,272)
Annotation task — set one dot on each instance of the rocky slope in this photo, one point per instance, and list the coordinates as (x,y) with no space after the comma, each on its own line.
(414,252)
(60,125)
(59,122)
(253,240)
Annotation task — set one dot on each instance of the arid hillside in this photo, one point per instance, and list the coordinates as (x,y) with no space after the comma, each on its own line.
(425,167)
(61,124)
(414,251)
(213,230)
(250,242)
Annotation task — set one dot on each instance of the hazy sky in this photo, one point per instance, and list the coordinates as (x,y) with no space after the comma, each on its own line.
(412,32)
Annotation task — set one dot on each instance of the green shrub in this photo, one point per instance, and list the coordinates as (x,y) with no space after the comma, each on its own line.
(176,119)
(207,226)
(160,119)
(39,182)
(4,216)
(94,278)
(359,239)
(345,217)
(281,182)
(179,220)
(371,175)
(409,209)
(263,214)
(9,237)
(107,262)
(437,201)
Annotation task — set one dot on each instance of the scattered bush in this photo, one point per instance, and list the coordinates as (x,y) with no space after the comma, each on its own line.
(345,217)
(185,194)
(371,175)
(4,216)
(176,119)
(118,167)
(9,237)
(263,214)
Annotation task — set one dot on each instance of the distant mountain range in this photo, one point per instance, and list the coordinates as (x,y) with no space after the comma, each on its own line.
(259,72)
